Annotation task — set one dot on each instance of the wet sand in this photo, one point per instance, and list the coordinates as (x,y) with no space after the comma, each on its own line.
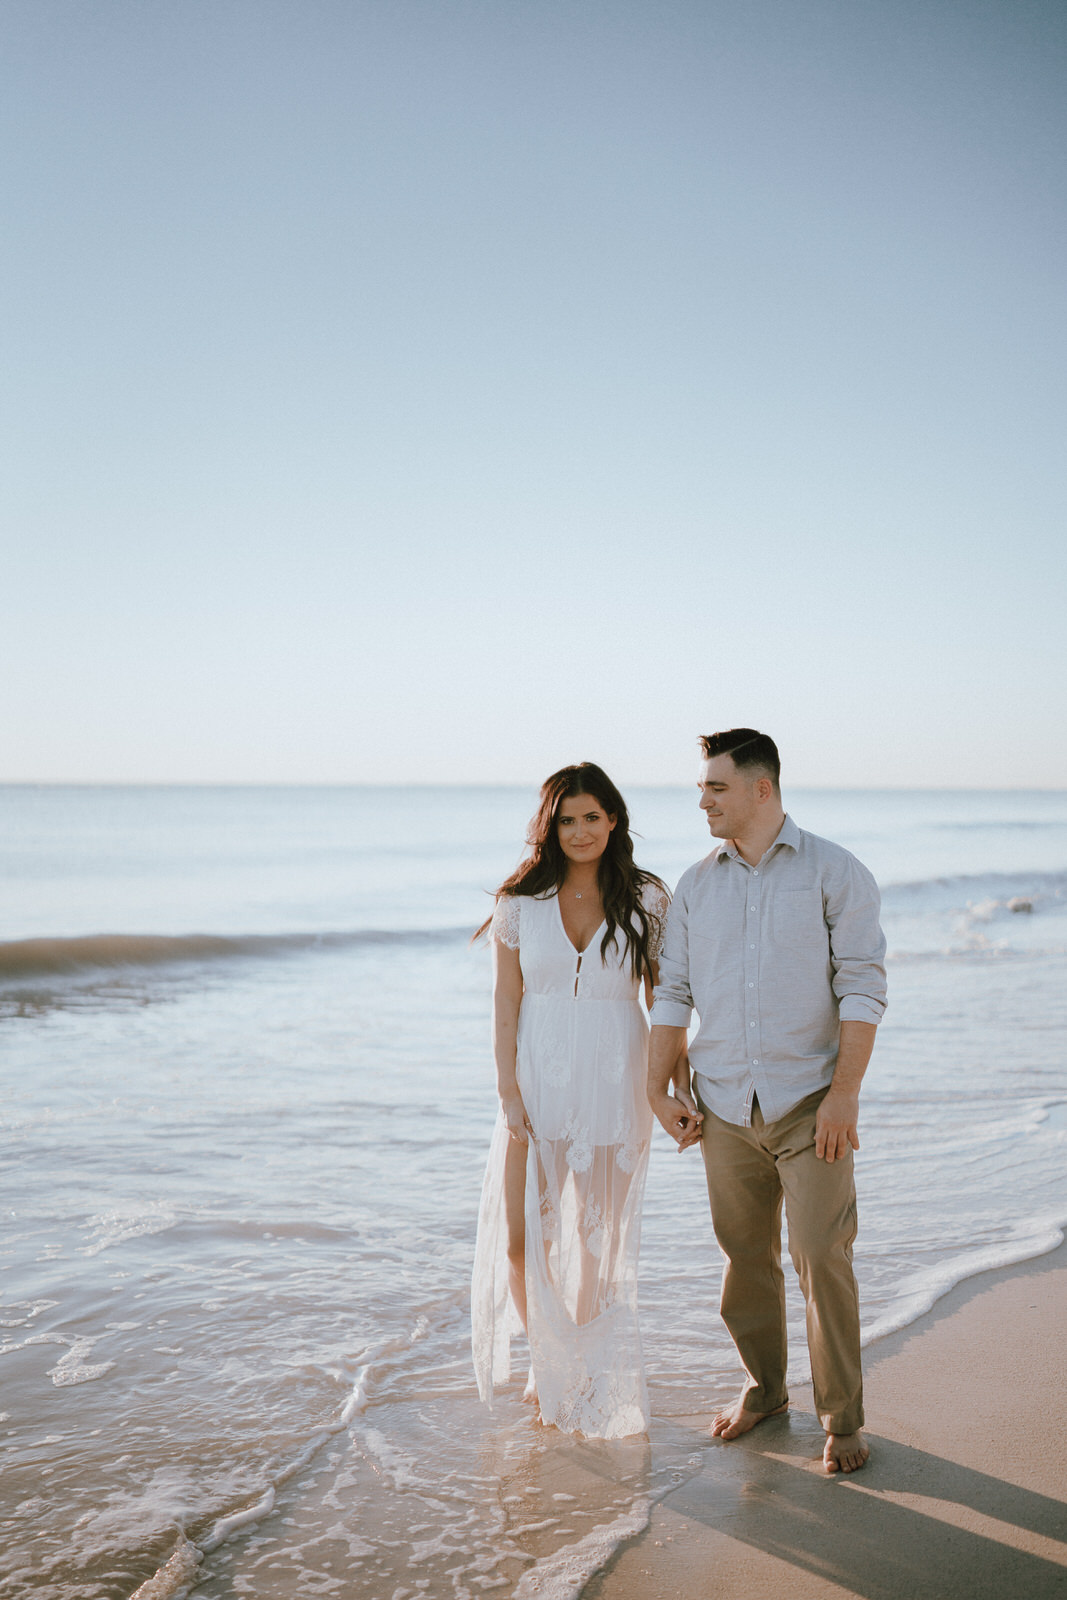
(965,1494)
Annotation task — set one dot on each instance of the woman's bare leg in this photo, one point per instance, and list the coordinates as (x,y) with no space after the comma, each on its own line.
(515,1216)
(607,1185)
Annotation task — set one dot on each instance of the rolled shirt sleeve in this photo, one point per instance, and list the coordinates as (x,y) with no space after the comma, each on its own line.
(852,906)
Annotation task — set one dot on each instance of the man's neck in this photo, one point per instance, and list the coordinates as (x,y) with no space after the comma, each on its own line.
(753,846)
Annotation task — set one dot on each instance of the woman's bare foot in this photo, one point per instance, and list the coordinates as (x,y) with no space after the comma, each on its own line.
(845,1452)
(733,1423)
(529,1394)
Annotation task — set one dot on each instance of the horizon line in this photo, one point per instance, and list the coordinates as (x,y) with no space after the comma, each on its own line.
(346,784)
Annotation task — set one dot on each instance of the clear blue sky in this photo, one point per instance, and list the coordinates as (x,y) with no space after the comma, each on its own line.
(426,390)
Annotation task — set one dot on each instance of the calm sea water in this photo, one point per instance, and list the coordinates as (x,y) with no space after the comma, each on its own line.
(247,1097)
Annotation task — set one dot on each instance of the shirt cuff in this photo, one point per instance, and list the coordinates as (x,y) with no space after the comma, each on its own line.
(860,1008)
(670,1014)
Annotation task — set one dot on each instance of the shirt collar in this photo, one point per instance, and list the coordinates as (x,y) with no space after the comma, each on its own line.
(788,834)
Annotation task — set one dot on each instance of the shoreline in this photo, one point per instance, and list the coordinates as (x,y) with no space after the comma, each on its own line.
(965,1494)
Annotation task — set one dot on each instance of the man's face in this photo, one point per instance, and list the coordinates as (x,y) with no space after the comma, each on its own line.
(728,796)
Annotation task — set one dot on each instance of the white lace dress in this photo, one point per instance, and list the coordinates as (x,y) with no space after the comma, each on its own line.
(581,1068)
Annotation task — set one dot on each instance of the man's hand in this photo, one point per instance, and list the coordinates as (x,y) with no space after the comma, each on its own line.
(668,1064)
(679,1115)
(835,1125)
(696,1116)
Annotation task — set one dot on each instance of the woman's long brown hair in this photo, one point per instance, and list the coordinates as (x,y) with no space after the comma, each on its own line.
(619,879)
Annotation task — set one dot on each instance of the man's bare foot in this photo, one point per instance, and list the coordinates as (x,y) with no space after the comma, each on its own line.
(733,1423)
(845,1452)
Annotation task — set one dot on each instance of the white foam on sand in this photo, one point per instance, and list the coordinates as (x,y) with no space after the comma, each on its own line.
(1033,1237)
(564,1574)
(72,1368)
(173,1579)
(16,1313)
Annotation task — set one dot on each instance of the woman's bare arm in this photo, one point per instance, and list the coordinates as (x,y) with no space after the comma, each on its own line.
(507,997)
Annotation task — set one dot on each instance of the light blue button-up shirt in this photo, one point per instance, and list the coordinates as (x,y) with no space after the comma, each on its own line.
(773,957)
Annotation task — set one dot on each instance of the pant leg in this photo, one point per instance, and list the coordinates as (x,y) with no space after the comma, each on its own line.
(820,1207)
(746,1213)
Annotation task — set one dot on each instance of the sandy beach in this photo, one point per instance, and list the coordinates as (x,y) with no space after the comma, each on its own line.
(965,1493)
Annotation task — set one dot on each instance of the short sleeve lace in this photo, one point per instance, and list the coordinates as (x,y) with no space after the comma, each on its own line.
(505,924)
(655,901)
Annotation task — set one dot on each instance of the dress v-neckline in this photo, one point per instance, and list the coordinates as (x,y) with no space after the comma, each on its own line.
(566,935)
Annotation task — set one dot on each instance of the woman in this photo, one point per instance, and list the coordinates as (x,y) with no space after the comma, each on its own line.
(575,934)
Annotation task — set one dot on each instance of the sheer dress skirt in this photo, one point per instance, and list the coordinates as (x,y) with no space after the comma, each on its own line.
(581,1072)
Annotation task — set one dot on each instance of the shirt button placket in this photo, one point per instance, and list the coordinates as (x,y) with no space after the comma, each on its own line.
(752,940)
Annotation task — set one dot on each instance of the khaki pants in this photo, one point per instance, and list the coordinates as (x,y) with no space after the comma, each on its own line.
(750,1171)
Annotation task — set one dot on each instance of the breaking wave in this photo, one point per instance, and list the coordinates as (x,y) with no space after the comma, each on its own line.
(1046,887)
(26,958)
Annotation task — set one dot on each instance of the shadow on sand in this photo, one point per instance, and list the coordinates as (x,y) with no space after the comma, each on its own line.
(892,1532)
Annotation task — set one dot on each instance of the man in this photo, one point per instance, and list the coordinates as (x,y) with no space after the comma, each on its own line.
(774,938)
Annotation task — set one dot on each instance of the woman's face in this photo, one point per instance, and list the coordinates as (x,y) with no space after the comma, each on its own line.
(583,828)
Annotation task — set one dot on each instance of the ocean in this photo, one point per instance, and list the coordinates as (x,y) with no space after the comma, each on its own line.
(245,1105)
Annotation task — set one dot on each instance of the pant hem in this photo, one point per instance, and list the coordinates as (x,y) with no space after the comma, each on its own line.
(834,1425)
(761,1406)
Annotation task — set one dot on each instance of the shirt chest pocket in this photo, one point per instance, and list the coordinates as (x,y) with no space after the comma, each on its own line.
(797,920)
(714,960)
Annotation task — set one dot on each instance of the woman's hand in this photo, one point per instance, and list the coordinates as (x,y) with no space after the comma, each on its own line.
(515,1116)
(689,1125)
(679,1115)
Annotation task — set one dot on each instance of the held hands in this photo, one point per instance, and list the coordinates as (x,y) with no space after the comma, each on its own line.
(678,1113)
(518,1123)
(835,1125)
(668,1066)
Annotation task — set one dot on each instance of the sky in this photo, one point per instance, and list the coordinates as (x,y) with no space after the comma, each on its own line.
(440,391)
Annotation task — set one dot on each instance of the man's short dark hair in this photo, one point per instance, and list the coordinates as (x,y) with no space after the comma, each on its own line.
(747,748)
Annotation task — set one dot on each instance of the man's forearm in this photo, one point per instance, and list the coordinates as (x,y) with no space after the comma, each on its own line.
(667,1062)
(835,1122)
(853,1054)
(666,1045)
